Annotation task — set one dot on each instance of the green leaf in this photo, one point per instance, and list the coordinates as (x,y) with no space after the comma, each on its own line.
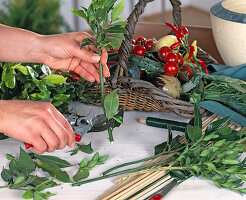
(54,171)
(53,160)
(44,185)
(83,163)
(8,77)
(74,151)
(95,156)
(6,175)
(103,158)
(210,137)
(117,10)
(19,180)
(177,174)
(37,196)
(111,104)
(194,133)
(197,118)
(28,194)
(84,45)
(85,148)
(196,168)
(116,29)
(205,153)
(220,143)
(230,162)
(56,79)
(3,137)
(88,40)
(21,68)
(79,13)
(120,36)
(81,174)
(25,163)
(92,164)
(114,43)
(214,126)
(211,166)
(23,183)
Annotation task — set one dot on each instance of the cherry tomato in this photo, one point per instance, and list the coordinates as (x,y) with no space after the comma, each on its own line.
(142,73)
(162,53)
(77,137)
(185,73)
(133,41)
(75,77)
(171,68)
(141,40)
(150,45)
(171,57)
(180,58)
(138,50)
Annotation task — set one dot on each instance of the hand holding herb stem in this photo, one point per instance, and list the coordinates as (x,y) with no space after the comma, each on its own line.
(101,16)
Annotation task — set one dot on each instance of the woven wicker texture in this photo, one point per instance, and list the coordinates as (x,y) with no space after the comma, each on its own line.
(135,94)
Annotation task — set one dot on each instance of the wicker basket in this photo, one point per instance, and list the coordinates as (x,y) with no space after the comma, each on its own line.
(135,94)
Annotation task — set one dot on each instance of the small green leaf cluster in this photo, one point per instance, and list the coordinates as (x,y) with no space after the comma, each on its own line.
(35,82)
(19,177)
(84,148)
(85,166)
(101,16)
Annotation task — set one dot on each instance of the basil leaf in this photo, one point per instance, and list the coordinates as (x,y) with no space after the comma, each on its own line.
(28,194)
(6,175)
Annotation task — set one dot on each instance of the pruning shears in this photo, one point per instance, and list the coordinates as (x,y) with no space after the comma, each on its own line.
(84,124)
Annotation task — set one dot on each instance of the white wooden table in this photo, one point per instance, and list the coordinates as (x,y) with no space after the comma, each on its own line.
(132,141)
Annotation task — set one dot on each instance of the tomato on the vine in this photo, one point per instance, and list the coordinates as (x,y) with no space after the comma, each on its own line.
(180,58)
(138,50)
(185,73)
(171,57)
(141,40)
(133,41)
(150,45)
(171,68)
(162,53)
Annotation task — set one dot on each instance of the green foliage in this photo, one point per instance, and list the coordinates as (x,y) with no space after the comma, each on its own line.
(40,16)
(35,82)
(85,166)
(102,17)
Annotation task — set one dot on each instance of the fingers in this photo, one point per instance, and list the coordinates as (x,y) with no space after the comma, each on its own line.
(104,58)
(39,145)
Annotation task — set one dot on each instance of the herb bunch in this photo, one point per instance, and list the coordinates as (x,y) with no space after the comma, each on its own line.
(103,18)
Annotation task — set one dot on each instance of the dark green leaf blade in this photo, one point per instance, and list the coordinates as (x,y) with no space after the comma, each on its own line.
(53,160)
(111,104)
(81,174)
(25,163)
(54,171)
(117,10)
(85,148)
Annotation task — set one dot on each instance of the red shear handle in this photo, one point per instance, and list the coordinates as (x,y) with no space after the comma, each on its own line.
(156,197)
(77,139)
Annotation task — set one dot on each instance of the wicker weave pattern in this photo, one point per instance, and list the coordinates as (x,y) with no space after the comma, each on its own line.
(135,94)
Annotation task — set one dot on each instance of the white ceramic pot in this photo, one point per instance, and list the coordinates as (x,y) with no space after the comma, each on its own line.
(228,19)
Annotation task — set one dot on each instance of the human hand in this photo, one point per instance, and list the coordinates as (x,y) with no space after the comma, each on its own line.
(36,123)
(63,51)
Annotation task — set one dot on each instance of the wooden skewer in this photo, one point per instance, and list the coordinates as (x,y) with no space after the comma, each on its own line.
(151,188)
(137,186)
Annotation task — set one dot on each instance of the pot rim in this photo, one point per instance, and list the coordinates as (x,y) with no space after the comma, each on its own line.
(219,11)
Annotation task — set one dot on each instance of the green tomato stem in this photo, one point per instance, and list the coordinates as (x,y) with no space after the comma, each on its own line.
(101,82)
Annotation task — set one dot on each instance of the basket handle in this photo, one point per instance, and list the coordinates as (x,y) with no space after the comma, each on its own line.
(130,27)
